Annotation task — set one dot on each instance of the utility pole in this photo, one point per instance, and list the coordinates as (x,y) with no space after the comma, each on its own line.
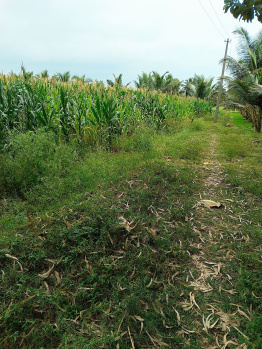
(221,82)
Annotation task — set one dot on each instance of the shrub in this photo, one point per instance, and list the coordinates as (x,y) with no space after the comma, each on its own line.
(31,156)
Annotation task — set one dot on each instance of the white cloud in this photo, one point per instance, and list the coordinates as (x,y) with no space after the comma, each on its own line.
(130,34)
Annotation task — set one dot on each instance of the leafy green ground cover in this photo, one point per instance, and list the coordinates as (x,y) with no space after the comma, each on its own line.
(240,121)
(104,249)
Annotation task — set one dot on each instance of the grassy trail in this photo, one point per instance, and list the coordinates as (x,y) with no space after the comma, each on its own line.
(220,311)
(119,252)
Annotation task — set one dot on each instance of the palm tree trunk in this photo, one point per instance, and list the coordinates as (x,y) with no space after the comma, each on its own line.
(259,120)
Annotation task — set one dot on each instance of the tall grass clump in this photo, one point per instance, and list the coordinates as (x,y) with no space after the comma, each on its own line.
(30,157)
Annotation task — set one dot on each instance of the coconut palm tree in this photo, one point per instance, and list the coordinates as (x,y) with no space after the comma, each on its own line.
(199,87)
(154,81)
(44,74)
(82,78)
(159,81)
(171,85)
(63,77)
(245,80)
(187,87)
(145,81)
(250,51)
(118,81)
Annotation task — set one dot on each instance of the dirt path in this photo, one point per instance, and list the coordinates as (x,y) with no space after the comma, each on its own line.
(212,285)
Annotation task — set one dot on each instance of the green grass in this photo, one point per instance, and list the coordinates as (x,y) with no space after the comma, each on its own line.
(73,217)
(239,121)
(240,151)
(116,231)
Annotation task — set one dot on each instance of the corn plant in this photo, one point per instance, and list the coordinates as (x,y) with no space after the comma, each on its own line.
(71,109)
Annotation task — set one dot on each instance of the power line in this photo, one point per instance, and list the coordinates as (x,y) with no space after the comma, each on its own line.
(211,19)
(219,18)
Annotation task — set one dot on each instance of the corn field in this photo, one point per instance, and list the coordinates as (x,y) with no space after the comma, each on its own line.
(87,112)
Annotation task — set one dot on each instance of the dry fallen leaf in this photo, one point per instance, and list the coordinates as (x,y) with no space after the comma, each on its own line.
(188,306)
(227,321)
(58,278)
(46,285)
(210,203)
(121,335)
(150,283)
(244,314)
(46,275)
(15,259)
(178,317)
(131,338)
(27,299)
(157,341)
(207,322)
(125,224)
(165,325)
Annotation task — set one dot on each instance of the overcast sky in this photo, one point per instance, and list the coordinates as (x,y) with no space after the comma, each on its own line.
(101,37)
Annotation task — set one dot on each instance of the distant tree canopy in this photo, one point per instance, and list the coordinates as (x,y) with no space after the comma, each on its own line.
(154,81)
(118,81)
(246,10)
(199,87)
